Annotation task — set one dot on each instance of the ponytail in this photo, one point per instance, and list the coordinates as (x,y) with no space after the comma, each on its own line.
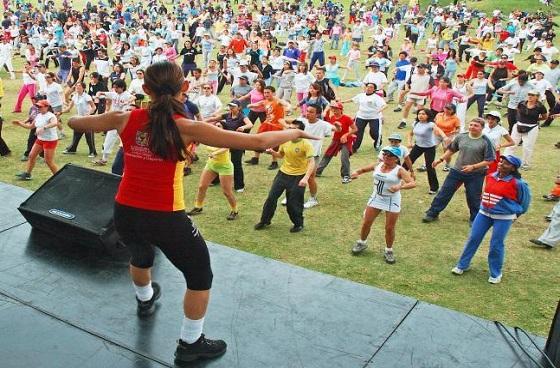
(165,138)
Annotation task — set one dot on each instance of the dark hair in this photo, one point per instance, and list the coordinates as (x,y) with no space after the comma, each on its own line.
(317,108)
(427,111)
(299,123)
(165,81)
(270,88)
(119,83)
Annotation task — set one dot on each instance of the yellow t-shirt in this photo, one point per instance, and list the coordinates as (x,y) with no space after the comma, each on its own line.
(220,158)
(296,155)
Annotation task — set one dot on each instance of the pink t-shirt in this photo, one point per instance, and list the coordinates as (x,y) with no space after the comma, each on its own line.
(441,97)
(353,55)
(256,96)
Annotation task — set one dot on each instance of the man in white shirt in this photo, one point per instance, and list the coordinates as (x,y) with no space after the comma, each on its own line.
(419,82)
(375,76)
(243,69)
(549,50)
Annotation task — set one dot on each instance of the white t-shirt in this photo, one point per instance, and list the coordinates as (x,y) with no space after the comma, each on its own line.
(495,134)
(54,94)
(549,52)
(103,67)
(82,103)
(119,102)
(378,78)
(303,81)
(320,129)
(369,105)
(208,105)
(49,134)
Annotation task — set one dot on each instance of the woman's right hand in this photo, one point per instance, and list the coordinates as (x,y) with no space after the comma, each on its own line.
(354,175)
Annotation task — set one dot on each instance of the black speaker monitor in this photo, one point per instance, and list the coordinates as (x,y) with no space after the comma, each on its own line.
(75,204)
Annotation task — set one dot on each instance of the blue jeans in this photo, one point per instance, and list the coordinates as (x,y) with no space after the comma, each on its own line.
(317,56)
(453,181)
(496,253)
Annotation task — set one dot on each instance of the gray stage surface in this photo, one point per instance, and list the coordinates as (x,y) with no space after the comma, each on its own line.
(66,306)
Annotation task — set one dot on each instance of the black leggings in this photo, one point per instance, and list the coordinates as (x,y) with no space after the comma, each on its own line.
(429,155)
(254,115)
(172,232)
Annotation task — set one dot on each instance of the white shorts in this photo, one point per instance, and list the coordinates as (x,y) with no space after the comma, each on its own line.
(417,100)
(385,203)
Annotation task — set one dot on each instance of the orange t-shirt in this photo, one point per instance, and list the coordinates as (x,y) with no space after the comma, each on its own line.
(449,124)
(149,182)
(274,112)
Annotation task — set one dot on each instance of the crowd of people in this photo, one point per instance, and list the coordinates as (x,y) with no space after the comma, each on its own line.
(283,73)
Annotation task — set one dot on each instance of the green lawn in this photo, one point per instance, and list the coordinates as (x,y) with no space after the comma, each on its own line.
(425,252)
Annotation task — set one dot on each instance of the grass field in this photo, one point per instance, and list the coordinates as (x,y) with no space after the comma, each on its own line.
(425,252)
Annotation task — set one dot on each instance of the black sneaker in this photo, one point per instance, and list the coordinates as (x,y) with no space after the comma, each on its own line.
(195,211)
(261,225)
(148,307)
(252,161)
(203,348)
(397,109)
(24,176)
(296,228)
(428,219)
(68,152)
(187,171)
(232,215)
(402,125)
(195,158)
(422,168)
(273,165)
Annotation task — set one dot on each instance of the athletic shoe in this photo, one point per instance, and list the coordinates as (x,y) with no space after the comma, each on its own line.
(432,192)
(346,180)
(551,198)
(398,108)
(99,162)
(422,168)
(428,219)
(548,218)
(389,256)
(203,348)
(557,145)
(92,155)
(311,202)
(148,307)
(446,168)
(525,167)
(296,228)
(359,247)
(495,280)
(232,215)
(540,243)
(24,158)
(67,152)
(240,190)
(187,171)
(402,125)
(24,176)
(284,201)
(195,211)
(273,165)
(252,161)
(195,158)
(261,225)
(457,271)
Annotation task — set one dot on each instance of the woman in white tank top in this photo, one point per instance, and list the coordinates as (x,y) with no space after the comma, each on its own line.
(388,180)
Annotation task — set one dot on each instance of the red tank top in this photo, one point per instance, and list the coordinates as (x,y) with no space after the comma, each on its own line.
(149,182)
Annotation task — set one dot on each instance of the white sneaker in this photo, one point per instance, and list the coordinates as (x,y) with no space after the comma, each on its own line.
(240,190)
(457,271)
(495,280)
(311,202)
(359,247)
(284,201)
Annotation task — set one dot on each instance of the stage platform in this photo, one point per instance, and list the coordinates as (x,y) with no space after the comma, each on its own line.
(66,306)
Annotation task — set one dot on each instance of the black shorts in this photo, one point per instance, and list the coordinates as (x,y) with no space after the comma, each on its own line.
(172,232)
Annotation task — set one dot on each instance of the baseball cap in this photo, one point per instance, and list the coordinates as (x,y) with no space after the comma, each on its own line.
(494,113)
(244,77)
(534,92)
(555,62)
(235,103)
(374,64)
(243,63)
(336,105)
(512,160)
(395,137)
(394,151)
(42,103)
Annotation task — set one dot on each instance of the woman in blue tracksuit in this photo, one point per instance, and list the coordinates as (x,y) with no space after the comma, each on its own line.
(506,197)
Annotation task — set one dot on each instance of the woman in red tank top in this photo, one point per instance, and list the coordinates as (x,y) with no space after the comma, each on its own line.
(150,208)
